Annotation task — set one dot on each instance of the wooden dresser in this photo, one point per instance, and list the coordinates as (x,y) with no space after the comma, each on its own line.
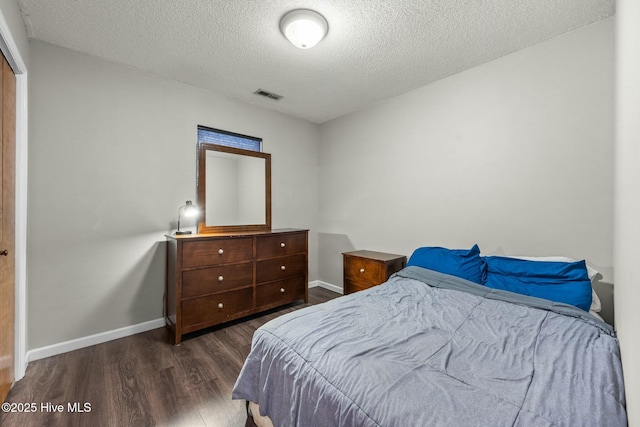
(215,278)
(364,269)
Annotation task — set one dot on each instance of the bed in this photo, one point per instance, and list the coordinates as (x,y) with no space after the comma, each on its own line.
(429,348)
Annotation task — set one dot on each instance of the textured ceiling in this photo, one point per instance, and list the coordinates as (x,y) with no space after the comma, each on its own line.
(375,49)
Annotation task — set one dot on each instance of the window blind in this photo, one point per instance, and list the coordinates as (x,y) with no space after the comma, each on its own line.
(228,139)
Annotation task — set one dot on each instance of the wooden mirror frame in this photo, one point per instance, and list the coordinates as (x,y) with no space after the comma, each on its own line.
(203,227)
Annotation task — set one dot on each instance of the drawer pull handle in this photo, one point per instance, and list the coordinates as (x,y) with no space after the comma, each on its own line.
(282,245)
(220,278)
(282,290)
(283,268)
(220,251)
(220,305)
(362,270)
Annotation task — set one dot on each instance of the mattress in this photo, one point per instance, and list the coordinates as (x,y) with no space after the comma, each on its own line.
(427,348)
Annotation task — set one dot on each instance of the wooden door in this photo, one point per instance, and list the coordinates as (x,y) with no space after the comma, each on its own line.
(7,226)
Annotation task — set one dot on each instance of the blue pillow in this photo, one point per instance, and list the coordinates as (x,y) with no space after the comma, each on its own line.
(566,282)
(465,263)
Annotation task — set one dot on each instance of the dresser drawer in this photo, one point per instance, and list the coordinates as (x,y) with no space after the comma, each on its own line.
(216,279)
(277,245)
(280,292)
(281,268)
(363,270)
(216,251)
(216,308)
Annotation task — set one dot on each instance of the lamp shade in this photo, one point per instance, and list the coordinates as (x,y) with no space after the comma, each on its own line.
(304,28)
(189,210)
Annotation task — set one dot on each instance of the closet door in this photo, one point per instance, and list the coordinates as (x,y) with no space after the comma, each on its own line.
(7,226)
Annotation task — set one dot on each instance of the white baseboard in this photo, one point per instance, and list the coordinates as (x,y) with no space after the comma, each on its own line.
(66,346)
(325,285)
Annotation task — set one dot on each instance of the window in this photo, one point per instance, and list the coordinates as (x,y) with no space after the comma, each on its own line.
(228,139)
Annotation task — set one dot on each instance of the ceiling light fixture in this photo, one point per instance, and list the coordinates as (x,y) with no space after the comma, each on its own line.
(304,28)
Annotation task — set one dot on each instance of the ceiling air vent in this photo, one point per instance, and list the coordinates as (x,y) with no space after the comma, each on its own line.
(270,95)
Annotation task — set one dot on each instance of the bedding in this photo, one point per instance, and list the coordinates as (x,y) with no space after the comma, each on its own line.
(431,349)
(566,282)
(465,263)
(596,304)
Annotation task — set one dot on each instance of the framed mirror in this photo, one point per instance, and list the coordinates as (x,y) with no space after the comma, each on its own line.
(234,189)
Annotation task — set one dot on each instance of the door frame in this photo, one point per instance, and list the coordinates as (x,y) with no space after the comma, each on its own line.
(12,54)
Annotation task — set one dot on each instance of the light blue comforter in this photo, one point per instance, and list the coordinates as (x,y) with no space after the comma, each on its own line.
(428,349)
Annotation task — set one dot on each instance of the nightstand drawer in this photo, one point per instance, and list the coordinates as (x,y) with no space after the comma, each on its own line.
(363,270)
(278,245)
(216,279)
(216,251)
(351,286)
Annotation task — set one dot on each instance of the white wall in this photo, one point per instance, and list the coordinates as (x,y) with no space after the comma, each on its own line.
(112,157)
(515,155)
(627,198)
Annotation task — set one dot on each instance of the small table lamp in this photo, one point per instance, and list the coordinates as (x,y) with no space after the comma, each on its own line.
(190,210)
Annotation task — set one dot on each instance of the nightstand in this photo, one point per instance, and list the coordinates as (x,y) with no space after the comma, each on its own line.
(364,269)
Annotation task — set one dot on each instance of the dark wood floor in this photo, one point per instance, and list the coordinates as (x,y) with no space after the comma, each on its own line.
(142,380)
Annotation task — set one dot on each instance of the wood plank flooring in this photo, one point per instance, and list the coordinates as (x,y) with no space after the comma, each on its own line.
(142,380)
